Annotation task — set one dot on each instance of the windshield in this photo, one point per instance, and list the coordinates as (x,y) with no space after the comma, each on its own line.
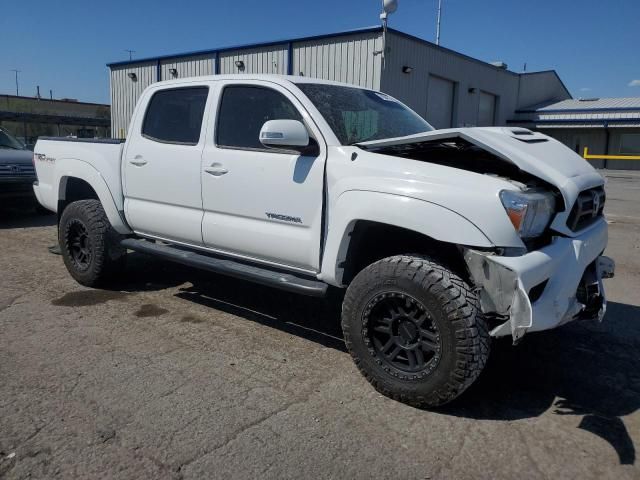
(356,115)
(8,141)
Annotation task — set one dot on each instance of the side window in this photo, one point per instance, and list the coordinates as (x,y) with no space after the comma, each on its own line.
(175,116)
(243,111)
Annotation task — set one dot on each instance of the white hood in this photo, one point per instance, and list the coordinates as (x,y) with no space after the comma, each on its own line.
(532,152)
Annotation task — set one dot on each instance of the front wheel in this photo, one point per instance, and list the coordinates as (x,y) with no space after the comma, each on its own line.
(414,330)
(90,246)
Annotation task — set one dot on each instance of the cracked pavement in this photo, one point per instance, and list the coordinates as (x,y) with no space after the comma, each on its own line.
(180,374)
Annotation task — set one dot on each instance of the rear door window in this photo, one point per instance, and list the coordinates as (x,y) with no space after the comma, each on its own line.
(175,116)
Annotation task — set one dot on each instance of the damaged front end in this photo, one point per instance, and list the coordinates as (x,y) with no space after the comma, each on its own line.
(545,220)
(501,294)
(540,290)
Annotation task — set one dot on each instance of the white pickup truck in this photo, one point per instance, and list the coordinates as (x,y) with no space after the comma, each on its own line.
(441,239)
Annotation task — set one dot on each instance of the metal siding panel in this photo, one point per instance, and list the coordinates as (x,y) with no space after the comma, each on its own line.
(426,59)
(257,60)
(125,93)
(346,59)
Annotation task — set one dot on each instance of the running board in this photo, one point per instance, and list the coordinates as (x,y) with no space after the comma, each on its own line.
(263,276)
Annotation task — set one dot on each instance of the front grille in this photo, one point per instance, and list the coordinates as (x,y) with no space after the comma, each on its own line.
(587,209)
(21,170)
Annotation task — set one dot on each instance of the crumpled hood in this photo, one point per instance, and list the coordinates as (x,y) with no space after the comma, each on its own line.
(15,157)
(532,152)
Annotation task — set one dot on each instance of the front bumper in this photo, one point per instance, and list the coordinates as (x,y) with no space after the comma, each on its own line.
(544,288)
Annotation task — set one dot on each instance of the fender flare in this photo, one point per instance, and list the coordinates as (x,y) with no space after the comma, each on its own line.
(395,210)
(74,168)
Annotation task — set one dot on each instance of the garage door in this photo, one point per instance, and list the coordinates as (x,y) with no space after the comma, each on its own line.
(440,97)
(486,110)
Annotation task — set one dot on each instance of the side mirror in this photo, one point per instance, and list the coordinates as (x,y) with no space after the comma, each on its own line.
(290,134)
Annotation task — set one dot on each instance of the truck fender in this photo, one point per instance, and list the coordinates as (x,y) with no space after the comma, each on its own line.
(421,216)
(74,168)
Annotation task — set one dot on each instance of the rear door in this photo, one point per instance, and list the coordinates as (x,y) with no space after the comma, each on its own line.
(162,165)
(260,203)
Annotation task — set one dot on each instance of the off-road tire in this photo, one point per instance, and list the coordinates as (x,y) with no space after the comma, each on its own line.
(463,336)
(106,257)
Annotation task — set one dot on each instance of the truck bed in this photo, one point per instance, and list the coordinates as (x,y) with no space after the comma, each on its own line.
(87,158)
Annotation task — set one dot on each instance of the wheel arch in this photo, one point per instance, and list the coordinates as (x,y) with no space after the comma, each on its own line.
(369,226)
(79,180)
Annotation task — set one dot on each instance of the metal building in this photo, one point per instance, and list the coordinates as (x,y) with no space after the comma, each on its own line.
(445,87)
(30,117)
(606,127)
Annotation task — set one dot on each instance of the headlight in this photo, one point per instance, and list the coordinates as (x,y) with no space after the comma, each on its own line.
(530,211)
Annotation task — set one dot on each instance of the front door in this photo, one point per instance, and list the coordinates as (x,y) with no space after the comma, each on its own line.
(162,166)
(259,203)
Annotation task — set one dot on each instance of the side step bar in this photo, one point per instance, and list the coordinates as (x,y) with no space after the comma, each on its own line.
(263,276)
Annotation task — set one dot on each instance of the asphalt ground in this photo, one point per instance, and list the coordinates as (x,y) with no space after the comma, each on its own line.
(176,373)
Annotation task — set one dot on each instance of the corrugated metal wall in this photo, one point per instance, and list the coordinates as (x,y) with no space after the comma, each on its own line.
(271,59)
(187,67)
(351,58)
(539,87)
(595,139)
(426,59)
(578,138)
(125,93)
(348,58)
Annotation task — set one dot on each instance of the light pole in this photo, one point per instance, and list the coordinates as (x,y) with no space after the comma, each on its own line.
(438,22)
(17,88)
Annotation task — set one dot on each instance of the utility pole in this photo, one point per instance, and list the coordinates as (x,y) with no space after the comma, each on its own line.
(131,52)
(438,22)
(17,87)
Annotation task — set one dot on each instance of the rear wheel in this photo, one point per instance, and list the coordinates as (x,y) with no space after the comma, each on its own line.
(90,246)
(414,329)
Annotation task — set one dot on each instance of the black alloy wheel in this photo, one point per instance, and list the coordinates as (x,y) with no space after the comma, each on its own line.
(401,332)
(89,245)
(79,245)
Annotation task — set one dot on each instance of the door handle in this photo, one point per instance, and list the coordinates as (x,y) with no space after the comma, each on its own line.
(216,170)
(138,161)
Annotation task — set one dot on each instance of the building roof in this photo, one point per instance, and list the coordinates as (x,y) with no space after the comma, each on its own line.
(67,101)
(212,51)
(587,105)
(582,113)
(373,29)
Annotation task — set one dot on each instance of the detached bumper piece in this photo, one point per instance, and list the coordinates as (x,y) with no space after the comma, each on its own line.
(545,288)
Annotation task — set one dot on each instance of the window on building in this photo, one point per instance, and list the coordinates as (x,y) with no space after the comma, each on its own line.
(175,116)
(245,109)
(630,144)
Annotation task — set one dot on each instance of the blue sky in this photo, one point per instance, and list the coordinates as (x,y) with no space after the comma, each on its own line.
(64,45)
